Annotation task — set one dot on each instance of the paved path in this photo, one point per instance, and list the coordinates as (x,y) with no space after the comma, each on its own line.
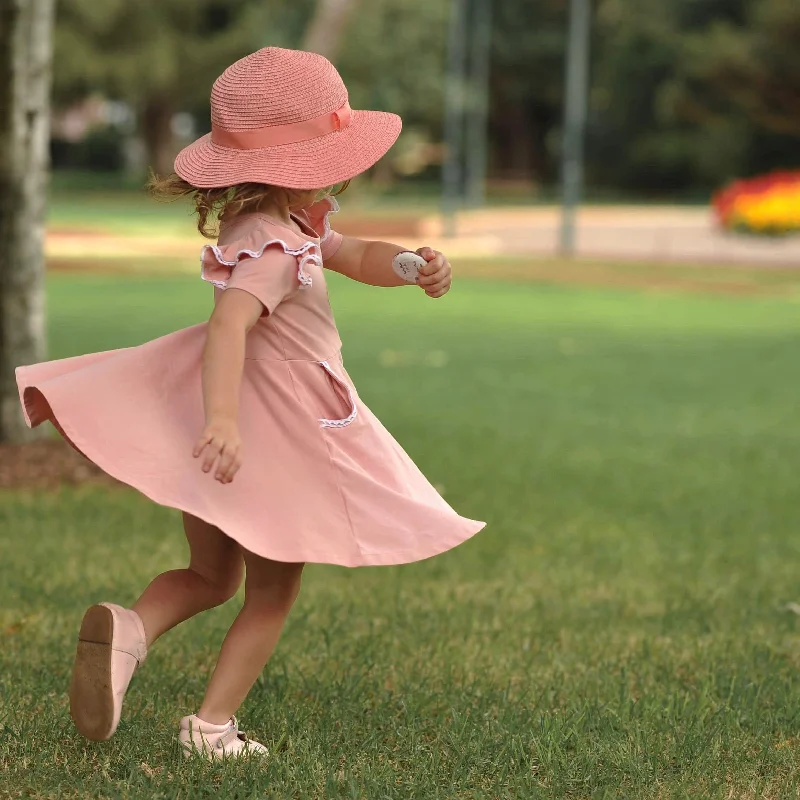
(652,234)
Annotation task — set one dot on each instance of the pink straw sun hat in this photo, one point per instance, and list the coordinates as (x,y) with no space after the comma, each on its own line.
(282,117)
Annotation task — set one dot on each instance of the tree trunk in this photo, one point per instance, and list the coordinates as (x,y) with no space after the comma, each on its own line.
(157,134)
(324,32)
(25,72)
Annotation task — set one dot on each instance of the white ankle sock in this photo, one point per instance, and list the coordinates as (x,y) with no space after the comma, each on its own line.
(211,727)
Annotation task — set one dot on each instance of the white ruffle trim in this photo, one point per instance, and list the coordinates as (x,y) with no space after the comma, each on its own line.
(334,209)
(307,254)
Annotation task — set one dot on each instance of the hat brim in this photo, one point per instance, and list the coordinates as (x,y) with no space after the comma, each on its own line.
(311,164)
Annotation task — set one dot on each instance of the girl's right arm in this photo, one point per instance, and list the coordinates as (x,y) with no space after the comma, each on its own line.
(235,314)
(371,263)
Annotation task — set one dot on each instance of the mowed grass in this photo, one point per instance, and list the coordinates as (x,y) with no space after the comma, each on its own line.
(620,629)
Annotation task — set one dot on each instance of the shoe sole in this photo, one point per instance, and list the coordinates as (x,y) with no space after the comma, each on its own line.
(91,699)
(193,751)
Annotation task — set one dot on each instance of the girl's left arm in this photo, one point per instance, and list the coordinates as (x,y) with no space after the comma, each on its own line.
(219,445)
(371,263)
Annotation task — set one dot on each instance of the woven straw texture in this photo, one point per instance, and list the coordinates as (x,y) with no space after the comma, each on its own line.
(275,86)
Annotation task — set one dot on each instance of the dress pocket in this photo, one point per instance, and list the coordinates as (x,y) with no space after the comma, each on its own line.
(344,398)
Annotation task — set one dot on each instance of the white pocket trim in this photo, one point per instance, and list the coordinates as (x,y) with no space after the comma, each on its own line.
(339,423)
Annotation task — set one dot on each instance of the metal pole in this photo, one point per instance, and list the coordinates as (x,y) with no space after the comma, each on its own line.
(575,118)
(452,177)
(479,102)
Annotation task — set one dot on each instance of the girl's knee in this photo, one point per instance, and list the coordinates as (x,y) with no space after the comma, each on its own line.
(276,597)
(222,582)
(228,585)
(215,557)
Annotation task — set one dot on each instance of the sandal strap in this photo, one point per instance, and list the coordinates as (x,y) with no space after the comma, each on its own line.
(228,737)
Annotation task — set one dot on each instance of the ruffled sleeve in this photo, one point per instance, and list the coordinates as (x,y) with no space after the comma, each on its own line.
(318,217)
(272,271)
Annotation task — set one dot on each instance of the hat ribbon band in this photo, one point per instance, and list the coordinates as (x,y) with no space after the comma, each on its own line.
(283,134)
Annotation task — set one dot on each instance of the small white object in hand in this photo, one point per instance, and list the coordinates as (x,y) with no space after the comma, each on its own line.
(407,265)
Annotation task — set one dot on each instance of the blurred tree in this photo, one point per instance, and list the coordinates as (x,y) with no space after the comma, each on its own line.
(390,58)
(527,87)
(637,140)
(25,68)
(324,33)
(688,94)
(390,64)
(161,56)
(747,63)
(685,93)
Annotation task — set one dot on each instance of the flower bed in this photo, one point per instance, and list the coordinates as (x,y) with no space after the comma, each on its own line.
(768,205)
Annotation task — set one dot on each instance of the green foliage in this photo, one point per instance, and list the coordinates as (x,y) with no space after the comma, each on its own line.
(619,629)
(742,75)
(135,50)
(161,56)
(751,66)
(527,86)
(686,94)
(101,150)
(396,66)
(692,93)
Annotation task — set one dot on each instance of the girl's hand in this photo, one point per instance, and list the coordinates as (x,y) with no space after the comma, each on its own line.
(220,440)
(436,276)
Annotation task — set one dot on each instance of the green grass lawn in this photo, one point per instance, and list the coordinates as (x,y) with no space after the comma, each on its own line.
(619,630)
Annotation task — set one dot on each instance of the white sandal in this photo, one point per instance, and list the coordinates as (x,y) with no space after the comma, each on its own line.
(198,737)
(111,645)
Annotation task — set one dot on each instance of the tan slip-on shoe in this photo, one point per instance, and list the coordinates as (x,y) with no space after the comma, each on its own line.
(111,645)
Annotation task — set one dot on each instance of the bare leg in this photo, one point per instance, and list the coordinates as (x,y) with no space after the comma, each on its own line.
(213,576)
(271,588)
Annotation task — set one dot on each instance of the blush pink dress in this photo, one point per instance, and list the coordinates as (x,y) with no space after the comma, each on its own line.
(322,480)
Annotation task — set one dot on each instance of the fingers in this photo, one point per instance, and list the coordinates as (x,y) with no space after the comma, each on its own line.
(436,261)
(436,276)
(438,288)
(201,443)
(439,292)
(211,451)
(435,271)
(220,444)
(229,464)
(235,467)
(442,276)
(230,459)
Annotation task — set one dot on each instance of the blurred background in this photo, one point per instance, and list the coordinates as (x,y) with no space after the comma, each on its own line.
(683,97)
(611,384)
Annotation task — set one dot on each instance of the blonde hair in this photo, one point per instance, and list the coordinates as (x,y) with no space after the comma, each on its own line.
(217,204)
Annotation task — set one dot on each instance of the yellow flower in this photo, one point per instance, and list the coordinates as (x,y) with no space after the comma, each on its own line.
(774,208)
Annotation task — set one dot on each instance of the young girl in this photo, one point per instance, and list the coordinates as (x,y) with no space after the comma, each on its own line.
(249,424)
